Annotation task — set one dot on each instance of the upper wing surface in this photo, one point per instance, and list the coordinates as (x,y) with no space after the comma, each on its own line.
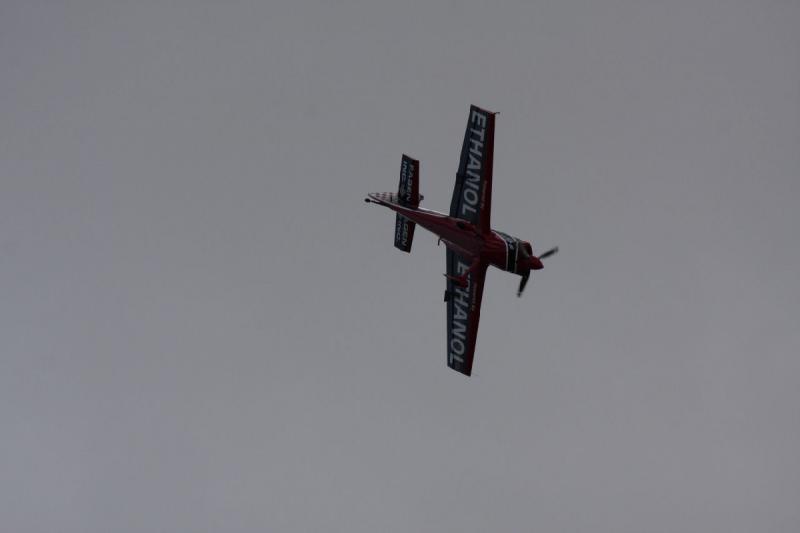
(463,312)
(472,195)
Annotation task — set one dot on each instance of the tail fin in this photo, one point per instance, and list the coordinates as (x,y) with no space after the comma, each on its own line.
(408,195)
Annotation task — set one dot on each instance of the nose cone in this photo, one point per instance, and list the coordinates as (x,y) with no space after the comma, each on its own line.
(536,263)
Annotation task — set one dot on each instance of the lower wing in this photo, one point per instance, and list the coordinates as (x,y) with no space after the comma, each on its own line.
(463,311)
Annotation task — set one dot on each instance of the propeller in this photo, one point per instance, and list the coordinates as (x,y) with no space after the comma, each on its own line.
(549,252)
(523,281)
(527,274)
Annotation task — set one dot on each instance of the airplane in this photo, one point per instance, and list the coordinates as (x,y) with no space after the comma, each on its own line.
(472,245)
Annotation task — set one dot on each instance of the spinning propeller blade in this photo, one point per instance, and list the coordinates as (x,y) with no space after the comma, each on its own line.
(527,274)
(523,282)
(549,252)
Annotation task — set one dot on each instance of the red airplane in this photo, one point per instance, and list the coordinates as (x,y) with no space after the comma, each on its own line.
(472,244)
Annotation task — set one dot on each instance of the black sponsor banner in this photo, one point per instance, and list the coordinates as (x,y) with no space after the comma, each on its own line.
(468,192)
(460,304)
(403,233)
(408,191)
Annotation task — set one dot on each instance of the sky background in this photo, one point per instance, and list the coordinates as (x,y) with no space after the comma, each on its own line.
(204,328)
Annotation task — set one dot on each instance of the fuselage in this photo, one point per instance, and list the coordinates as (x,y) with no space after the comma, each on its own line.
(491,247)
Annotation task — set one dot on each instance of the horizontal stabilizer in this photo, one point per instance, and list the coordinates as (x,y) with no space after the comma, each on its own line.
(407,196)
(408,190)
(403,233)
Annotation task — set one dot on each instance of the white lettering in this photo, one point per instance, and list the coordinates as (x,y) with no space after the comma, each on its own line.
(460,313)
(478,118)
(462,301)
(401,231)
(474,162)
(470,193)
(472,181)
(458,327)
(475,146)
(456,350)
(407,173)
(471,196)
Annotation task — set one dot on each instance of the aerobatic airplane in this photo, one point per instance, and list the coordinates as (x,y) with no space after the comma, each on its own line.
(472,244)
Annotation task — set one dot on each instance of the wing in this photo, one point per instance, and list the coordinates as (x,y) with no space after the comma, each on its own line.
(472,195)
(463,312)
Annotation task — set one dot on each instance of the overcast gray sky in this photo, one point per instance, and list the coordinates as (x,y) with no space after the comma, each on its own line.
(204,328)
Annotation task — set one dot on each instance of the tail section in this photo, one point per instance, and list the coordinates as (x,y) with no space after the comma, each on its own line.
(408,196)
